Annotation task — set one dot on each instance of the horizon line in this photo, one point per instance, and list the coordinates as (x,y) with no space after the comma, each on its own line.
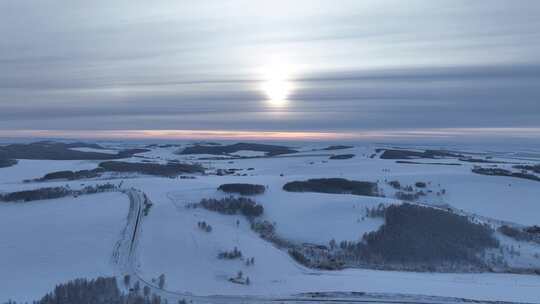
(432,133)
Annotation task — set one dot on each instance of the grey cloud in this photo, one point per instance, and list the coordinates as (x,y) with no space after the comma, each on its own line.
(185,65)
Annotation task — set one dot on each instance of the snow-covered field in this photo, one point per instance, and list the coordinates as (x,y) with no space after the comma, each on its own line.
(44,243)
(75,237)
(11,178)
(172,245)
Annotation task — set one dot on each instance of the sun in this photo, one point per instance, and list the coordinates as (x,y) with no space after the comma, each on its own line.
(277,85)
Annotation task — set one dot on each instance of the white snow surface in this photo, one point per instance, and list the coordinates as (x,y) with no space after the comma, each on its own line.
(44,243)
(248,153)
(172,244)
(86,149)
(11,177)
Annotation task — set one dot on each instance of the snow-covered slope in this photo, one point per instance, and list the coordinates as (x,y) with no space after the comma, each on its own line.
(45,243)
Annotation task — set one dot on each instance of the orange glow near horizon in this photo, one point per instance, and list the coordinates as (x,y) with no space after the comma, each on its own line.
(176,134)
(273,135)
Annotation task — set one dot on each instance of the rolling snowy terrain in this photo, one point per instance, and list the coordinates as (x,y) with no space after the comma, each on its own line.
(45,242)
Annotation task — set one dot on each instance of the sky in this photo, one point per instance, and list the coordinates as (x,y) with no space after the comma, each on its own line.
(355,68)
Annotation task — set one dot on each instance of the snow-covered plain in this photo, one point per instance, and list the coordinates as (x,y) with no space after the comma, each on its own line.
(44,243)
(171,243)
(11,177)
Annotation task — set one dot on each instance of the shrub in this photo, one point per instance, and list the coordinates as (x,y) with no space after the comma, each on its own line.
(420,185)
(204,226)
(230,255)
(395,184)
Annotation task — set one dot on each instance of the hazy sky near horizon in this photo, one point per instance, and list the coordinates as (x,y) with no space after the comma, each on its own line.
(335,66)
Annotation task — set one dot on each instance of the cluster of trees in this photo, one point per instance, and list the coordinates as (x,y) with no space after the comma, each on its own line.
(407,154)
(61,151)
(233,205)
(240,279)
(72,175)
(53,192)
(263,228)
(413,237)
(342,156)
(230,255)
(337,147)
(36,194)
(480,160)
(333,185)
(417,234)
(376,211)
(430,163)
(409,196)
(267,231)
(167,170)
(319,257)
(528,234)
(204,226)
(395,184)
(533,168)
(299,257)
(533,229)
(97,291)
(409,193)
(6,162)
(231,171)
(250,261)
(242,189)
(271,150)
(504,172)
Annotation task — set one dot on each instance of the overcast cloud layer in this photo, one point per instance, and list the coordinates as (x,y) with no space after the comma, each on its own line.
(354,65)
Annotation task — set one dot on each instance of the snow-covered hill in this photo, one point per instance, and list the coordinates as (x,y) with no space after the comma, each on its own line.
(76,236)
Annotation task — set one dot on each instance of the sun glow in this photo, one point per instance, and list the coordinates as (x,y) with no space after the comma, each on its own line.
(277,85)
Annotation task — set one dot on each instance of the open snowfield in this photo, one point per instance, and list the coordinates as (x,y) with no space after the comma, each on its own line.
(45,243)
(57,240)
(12,177)
(171,244)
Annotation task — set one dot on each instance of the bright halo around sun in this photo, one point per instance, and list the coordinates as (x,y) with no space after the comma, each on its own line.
(277,85)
